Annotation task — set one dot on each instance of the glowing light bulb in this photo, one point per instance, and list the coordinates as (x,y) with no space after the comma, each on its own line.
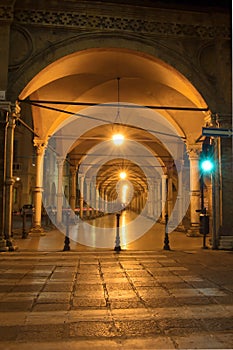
(123,175)
(118,139)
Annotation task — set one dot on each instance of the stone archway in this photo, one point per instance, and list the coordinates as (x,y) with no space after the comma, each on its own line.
(89,84)
(177,62)
(91,76)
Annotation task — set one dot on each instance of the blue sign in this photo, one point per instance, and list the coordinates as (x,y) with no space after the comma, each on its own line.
(218,132)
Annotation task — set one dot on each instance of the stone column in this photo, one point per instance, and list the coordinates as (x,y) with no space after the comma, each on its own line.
(180,198)
(150,199)
(145,199)
(158,199)
(97,201)
(194,191)
(142,201)
(154,200)
(169,196)
(60,162)
(164,196)
(81,188)
(12,115)
(73,170)
(88,195)
(101,200)
(105,202)
(92,198)
(40,149)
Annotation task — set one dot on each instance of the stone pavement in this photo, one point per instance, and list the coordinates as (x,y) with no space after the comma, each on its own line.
(153,239)
(178,299)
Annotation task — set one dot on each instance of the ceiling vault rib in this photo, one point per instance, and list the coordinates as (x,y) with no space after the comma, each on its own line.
(95,118)
(37,102)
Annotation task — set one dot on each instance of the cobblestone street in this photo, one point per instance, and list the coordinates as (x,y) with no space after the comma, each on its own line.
(104,300)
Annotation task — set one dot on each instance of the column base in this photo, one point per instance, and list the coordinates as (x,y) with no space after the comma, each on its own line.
(37,231)
(10,245)
(3,246)
(180,228)
(226,242)
(193,231)
(117,249)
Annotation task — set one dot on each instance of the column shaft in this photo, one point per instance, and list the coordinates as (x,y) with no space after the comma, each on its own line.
(73,187)
(59,190)
(194,191)
(81,188)
(164,196)
(40,149)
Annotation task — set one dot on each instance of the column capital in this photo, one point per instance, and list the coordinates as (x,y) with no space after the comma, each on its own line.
(194,151)
(12,110)
(39,142)
(15,110)
(88,180)
(73,169)
(10,181)
(60,160)
(208,119)
(40,145)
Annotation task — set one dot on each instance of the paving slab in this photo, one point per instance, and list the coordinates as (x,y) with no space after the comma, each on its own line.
(132,300)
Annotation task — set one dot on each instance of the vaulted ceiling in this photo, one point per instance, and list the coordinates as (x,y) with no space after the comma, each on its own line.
(84,83)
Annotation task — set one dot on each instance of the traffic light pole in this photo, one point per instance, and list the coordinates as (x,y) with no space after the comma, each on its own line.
(203,214)
(202,193)
(215,198)
(216,134)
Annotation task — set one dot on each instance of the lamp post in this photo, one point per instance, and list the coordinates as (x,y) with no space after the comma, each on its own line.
(117,241)
(204,218)
(67,238)
(166,238)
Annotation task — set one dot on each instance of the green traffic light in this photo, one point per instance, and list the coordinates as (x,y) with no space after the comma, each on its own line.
(207,165)
(207,161)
